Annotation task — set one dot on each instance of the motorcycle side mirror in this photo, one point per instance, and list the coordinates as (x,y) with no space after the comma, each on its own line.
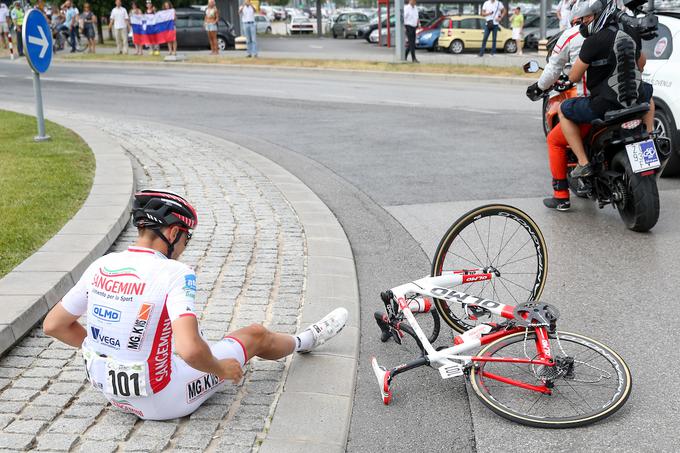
(531,67)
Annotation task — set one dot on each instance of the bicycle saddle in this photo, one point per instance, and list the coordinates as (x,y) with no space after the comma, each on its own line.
(534,314)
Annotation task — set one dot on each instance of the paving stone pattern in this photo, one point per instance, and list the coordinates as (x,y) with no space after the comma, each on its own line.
(249,255)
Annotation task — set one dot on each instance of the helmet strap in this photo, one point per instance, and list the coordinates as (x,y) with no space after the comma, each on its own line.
(171,245)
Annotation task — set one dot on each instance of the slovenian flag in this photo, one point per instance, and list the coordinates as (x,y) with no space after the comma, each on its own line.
(156,28)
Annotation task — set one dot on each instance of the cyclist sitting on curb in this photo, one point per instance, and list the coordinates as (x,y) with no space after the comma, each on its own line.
(602,58)
(563,57)
(141,301)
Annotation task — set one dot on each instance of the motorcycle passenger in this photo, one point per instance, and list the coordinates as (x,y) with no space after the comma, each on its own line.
(608,79)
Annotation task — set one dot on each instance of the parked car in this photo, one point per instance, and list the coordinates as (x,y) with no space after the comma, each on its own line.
(348,24)
(263,24)
(299,25)
(373,38)
(191,32)
(458,33)
(663,72)
(366,30)
(428,36)
(532,30)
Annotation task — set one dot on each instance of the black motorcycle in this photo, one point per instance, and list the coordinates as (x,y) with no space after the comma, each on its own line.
(625,159)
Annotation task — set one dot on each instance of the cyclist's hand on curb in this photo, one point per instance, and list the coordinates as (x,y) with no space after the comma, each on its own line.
(230,369)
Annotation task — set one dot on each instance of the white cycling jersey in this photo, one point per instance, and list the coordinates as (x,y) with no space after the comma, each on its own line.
(131,299)
(562,58)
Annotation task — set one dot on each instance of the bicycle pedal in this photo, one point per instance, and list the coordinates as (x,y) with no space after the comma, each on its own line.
(383,377)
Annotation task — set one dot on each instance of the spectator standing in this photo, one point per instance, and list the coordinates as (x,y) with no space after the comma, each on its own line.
(411,24)
(89,23)
(4,24)
(136,11)
(172,45)
(493,11)
(212,16)
(150,9)
(247,12)
(517,24)
(17,15)
(72,23)
(120,22)
(564,13)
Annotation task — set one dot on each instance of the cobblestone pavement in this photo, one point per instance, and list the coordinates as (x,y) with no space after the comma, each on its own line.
(249,255)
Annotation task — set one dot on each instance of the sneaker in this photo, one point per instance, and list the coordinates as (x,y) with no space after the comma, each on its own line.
(582,171)
(329,326)
(557,203)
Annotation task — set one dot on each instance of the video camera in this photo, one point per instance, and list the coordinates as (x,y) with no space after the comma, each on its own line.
(646,23)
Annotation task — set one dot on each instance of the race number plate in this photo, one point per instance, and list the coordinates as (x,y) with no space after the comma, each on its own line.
(643,156)
(451,369)
(125,379)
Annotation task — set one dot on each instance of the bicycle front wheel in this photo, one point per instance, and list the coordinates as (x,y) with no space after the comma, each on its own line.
(590,381)
(499,239)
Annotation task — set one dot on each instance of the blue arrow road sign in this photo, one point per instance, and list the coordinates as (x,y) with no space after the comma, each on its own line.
(37,38)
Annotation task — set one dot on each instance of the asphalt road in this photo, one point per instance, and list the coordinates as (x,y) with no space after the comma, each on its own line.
(398,159)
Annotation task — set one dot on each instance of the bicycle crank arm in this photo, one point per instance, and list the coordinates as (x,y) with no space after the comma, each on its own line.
(385,376)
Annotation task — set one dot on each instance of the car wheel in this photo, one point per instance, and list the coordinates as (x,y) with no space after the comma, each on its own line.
(268,30)
(665,127)
(456,46)
(510,46)
(334,35)
(221,43)
(344,34)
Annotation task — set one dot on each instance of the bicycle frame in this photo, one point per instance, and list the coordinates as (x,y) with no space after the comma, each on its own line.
(452,361)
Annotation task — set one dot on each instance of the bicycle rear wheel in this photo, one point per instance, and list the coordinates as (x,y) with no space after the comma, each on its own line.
(593,387)
(499,239)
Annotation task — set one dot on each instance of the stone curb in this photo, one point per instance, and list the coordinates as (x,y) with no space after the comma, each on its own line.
(314,410)
(29,291)
(500,80)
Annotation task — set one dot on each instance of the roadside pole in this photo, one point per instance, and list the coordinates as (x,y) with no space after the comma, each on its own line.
(37,39)
(319,31)
(544,17)
(398,30)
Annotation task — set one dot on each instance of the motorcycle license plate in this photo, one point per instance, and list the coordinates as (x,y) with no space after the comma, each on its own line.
(643,156)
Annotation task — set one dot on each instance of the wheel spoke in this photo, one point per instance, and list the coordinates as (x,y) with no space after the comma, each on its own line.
(448,252)
(517,261)
(468,246)
(517,251)
(481,241)
(510,281)
(506,288)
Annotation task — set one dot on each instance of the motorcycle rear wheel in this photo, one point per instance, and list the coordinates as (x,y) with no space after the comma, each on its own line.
(640,208)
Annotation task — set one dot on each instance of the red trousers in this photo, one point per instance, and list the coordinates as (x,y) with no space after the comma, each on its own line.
(557,156)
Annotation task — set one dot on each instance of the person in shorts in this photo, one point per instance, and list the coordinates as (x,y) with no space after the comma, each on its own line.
(212,17)
(517,24)
(142,345)
(4,25)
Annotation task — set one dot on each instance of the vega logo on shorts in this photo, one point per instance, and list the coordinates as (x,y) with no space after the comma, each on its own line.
(139,327)
(105,340)
(105,313)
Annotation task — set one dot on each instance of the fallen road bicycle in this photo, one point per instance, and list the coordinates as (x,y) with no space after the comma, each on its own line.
(526,370)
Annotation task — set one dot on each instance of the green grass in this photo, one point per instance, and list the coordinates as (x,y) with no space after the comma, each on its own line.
(42,184)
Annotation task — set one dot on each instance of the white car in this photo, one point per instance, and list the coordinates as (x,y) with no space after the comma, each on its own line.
(663,72)
(299,25)
(373,37)
(263,24)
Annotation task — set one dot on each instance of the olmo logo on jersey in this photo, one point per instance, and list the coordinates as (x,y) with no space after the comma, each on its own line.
(105,340)
(105,313)
(139,327)
(201,385)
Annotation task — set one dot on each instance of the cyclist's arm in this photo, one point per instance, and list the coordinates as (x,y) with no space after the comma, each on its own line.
(64,326)
(577,71)
(191,347)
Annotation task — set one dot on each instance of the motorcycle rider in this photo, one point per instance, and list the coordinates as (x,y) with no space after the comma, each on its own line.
(610,82)
(562,58)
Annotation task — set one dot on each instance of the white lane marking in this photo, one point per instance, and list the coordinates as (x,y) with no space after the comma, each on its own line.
(406,103)
(466,109)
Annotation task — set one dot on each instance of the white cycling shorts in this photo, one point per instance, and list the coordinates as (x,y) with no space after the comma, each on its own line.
(187,390)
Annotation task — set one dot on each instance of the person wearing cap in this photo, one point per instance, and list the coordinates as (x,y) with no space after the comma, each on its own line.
(141,344)
(119,21)
(17,15)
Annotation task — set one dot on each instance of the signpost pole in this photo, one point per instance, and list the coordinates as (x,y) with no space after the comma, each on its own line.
(39,109)
(398,30)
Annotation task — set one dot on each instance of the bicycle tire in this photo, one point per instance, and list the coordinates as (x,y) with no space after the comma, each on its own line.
(583,370)
(535,285)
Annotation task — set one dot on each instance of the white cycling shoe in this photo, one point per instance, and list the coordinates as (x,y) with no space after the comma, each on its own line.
(328,327)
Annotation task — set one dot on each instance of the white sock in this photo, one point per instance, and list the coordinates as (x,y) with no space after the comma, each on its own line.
(304,340)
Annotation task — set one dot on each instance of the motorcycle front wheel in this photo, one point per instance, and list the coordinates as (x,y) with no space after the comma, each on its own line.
(639,205)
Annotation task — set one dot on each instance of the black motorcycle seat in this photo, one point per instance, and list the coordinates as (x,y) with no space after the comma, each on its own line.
(622,115)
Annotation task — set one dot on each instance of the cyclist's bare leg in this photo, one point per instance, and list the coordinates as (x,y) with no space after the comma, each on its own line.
(572,132)
(261,342)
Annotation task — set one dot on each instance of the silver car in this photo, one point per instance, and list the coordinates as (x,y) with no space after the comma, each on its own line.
(263,24)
